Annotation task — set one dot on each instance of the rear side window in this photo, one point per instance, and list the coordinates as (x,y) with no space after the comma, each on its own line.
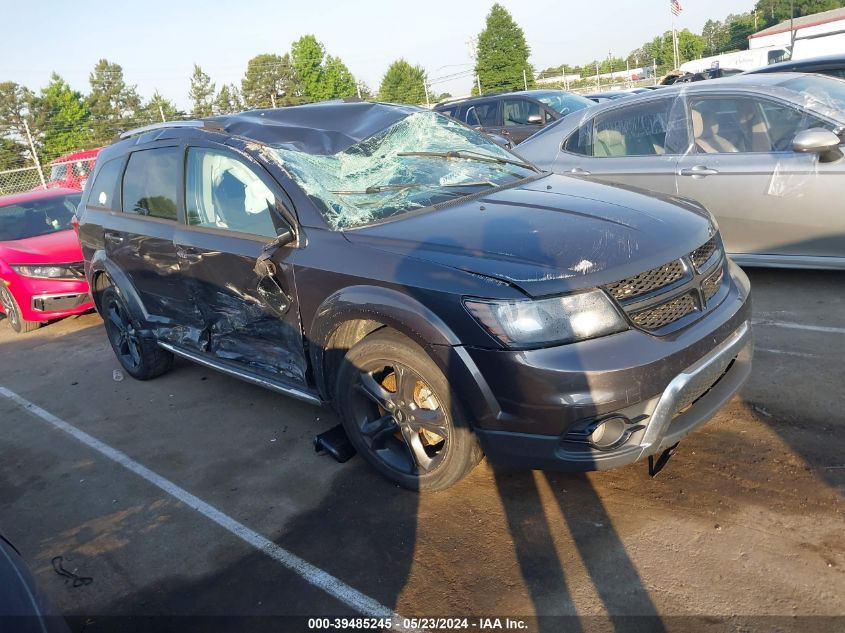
(485,114)
(106,187)
(151,182)
(633,131)
(518,111)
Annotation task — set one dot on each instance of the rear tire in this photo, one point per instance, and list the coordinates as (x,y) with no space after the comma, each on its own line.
(400,413)
(13,312)
(141,358)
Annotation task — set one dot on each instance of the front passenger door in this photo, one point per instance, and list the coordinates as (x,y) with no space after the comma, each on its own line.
(249,310)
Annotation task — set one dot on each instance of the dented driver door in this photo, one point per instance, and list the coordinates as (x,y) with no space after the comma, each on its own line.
(243,293)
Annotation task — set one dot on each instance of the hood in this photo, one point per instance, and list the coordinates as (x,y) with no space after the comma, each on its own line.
(61,247)
(551,235)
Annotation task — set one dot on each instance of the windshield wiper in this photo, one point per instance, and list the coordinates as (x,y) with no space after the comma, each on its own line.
(400,187)
(471,155)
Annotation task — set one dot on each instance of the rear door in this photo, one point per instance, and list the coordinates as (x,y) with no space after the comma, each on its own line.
(520,118)
(249,312)
(635,144)
(139,239)
(767,198)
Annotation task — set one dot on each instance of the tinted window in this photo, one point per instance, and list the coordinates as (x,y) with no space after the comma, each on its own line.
(106,187)
(743,124)
(518,111)
(37,217)
(639,130)
(834,72)
(221,191)
(151,182)
(581,141)
(484,114)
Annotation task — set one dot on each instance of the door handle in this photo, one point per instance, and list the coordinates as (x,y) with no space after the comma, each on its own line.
(579,171)
(114,237)
(698,170)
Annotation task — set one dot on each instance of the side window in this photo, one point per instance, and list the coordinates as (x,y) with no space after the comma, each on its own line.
(581,140)
(106,188)
(548,117)
(518,112)
(484,114)
(745,124)
(641,130)
(447,111)
(221,191)
(151,182)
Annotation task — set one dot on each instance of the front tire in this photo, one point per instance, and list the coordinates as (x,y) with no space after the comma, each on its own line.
(400,413)
(141,358)
(13,312)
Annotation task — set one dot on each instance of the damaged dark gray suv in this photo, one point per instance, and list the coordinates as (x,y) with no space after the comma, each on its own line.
(447,298)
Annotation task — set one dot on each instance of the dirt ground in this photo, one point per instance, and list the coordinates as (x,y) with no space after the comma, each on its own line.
(743,530)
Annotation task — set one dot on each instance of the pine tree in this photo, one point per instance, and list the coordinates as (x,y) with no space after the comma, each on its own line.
(228,100)
(114,105)
(403,83)
(502,54)
(307,56)
(62,116)
(201,93)
(158,107)
(268,82)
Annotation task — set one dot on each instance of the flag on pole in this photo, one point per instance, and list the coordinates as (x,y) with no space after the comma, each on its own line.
(676,7)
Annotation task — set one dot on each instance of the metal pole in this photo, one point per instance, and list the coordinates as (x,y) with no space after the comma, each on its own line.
(34,154)
(478,83)
(598,79)
(273,99)
(427,102)
(161,112)
(525,79)
(358,87)
(674,43)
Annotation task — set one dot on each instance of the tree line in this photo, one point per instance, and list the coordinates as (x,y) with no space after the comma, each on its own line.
(717,37)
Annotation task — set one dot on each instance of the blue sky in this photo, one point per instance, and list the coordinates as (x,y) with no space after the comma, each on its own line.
(157,42)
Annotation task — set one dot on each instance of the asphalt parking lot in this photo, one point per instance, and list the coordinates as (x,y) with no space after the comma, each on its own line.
(231,513)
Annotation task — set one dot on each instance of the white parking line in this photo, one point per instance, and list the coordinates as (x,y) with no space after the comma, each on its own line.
(800,326)
(785,352)
(310,573)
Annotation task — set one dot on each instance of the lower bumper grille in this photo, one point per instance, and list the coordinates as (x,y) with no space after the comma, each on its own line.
(58,303)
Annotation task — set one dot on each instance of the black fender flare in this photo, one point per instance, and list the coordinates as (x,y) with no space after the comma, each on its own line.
(374,303)
(101,264)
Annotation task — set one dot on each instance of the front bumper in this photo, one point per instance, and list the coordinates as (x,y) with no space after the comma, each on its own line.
(531,408)
(46,299)
(692,398)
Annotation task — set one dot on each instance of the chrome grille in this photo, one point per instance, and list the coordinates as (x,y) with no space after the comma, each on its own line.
(663,314)
(646,282)
(703,253)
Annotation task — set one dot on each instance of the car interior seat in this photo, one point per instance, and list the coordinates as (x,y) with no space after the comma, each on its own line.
(610,142)
(705,128)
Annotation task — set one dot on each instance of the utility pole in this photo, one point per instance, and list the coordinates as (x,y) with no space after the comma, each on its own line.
(598,79)
(525,79)
(34,154)
(161,112)
(358,88)
(427,102)
(478,83)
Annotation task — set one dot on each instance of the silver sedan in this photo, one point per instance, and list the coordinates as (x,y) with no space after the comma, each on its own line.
(761,152)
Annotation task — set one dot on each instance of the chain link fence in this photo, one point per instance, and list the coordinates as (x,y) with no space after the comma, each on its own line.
(20,180)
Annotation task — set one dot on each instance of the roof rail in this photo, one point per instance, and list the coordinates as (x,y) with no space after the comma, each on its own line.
(208,125)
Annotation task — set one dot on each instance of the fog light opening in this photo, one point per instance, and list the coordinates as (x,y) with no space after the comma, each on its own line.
(609,433)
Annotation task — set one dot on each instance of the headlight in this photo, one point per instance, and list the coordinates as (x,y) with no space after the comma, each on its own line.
(526,323)
(47,272)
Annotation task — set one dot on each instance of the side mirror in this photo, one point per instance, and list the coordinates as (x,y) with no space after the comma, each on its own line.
(535,119)
(285,236)
(817,140)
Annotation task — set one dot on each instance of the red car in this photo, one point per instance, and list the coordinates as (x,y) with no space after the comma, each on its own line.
(72,170)
(41,271)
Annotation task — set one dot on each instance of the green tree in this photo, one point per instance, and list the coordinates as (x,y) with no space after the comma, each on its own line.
(690,46)
(157,106)
(114,105)
(269,81)
(502,59)
(403,83)
(15,107)
(337,82)
(201,93)
(228,100)
(307,56)
(12,153)
(62,116)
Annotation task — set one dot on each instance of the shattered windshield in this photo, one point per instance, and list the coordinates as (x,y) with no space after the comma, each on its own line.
(827,91)
(424,159)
